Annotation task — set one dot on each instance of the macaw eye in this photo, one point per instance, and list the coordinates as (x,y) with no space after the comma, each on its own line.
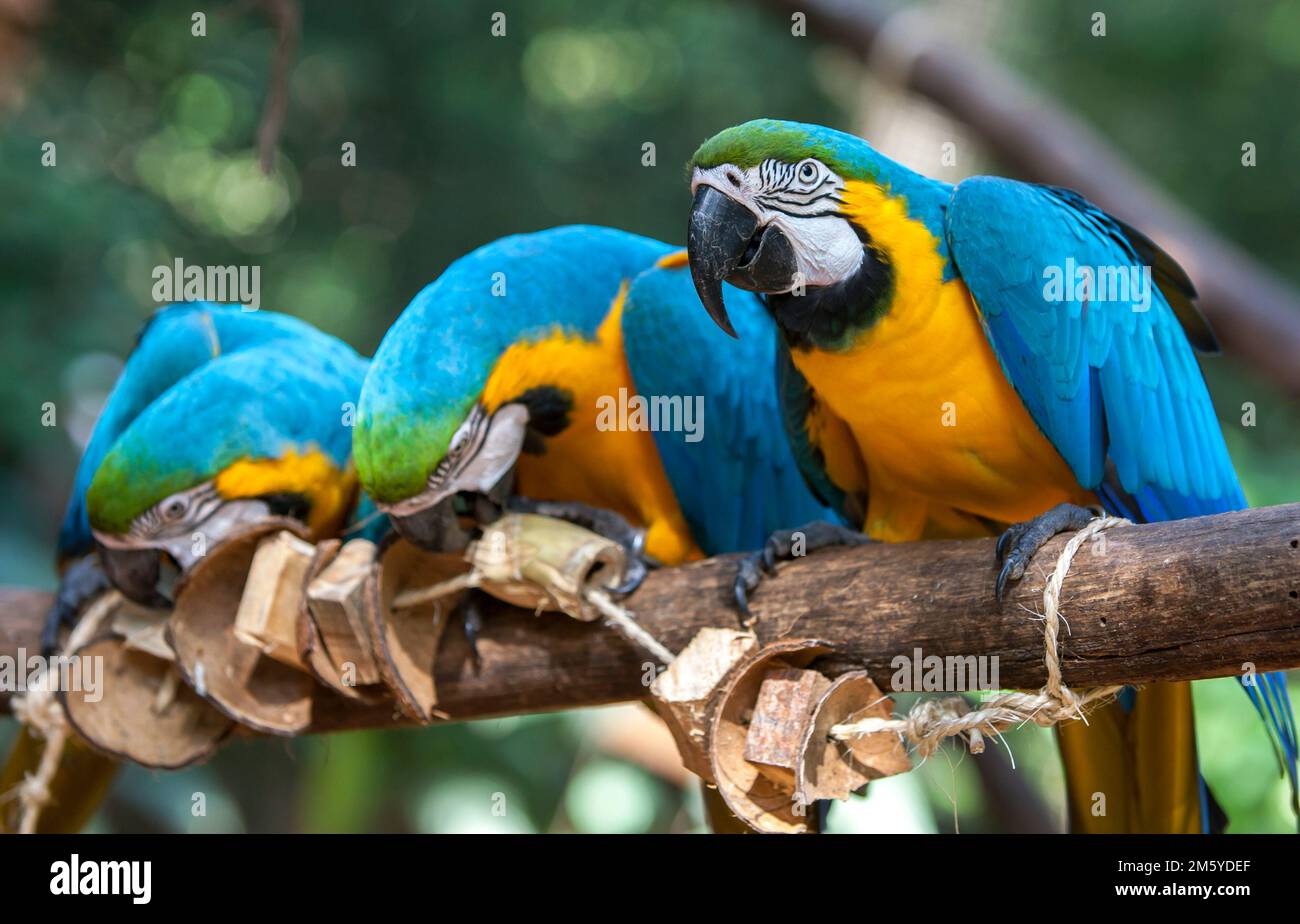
(174,509)
(807,172)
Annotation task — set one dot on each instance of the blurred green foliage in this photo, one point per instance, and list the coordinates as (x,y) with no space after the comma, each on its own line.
(462,137)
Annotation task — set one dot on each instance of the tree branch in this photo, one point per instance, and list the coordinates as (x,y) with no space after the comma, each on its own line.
(1165,601)
(285,17)
(1255,312)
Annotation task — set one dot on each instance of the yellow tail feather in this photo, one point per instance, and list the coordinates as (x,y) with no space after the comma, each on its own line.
(1134,772)
(79,786)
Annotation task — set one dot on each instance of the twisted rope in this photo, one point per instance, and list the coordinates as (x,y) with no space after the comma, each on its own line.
(42,713)
(932,721)
(621,621)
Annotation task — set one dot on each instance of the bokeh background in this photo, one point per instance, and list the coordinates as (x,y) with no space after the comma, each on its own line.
(462,137)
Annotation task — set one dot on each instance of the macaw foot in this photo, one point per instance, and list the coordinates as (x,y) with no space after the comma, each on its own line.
(470,610)
(83,579)
(1019,543)
(785,545)
(603,522)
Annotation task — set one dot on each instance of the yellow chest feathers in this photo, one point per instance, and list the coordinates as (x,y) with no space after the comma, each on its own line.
(935,419)
(615,469)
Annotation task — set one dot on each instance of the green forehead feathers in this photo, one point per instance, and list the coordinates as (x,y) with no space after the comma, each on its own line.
(750,144)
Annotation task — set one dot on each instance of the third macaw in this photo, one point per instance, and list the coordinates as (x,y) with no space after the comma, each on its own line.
(221,418)
(936,383)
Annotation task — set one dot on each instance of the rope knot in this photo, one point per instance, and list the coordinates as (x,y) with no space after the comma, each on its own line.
(931,721)
(34,792)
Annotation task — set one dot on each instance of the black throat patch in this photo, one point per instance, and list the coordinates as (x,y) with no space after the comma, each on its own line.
(549,407)
(829,317)
(288,504)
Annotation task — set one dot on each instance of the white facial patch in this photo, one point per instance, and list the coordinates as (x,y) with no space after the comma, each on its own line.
(501,447)
(188,524)
(803,200)
(188,547)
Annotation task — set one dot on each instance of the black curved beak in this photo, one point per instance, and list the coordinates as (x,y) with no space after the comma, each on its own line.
(716,238)
(725,243)
(435,529)
(136,573)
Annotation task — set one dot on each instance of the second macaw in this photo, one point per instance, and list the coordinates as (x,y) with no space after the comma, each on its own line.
(947,371)
(511,376)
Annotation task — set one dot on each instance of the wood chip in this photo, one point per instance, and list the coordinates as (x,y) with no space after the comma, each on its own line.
(682,692)
(405,642)
(239,679)
(755,798)
(143,713)
(143,629)
(343,678)
(829,769)
(782,715)
(268,612)
(336,601)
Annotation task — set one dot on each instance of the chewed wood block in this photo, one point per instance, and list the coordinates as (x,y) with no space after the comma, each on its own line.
(833,769)
(336,598)
(780,720)
(760,796)
(267,617)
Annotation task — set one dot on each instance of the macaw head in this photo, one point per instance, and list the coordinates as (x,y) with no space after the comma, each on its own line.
(246,437)
(478,369)
(772,212)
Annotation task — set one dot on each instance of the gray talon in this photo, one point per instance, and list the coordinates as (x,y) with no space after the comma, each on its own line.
(472,619)
(636,572)
(1017,545)
(82,580)
(779,546)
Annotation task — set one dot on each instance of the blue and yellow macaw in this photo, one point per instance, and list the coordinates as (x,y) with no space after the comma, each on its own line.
(221,417)
(940,377)
(503,380)
(502,384)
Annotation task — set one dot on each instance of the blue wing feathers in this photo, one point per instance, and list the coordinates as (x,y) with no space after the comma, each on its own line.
(1006,238)
(1106,378)
(740,481)
(176,345)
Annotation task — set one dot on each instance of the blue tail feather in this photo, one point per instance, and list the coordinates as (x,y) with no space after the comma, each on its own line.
(1272,701)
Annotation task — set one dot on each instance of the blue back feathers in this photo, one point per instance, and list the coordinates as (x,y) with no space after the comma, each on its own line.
(435,360)
(739,482)
(208,384)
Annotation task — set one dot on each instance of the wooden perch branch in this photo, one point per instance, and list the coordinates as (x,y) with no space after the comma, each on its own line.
(1166,601)
(1255,312)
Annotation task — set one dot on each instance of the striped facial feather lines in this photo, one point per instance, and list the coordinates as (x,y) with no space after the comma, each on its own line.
(806,189)
(465,445)
(179,513)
